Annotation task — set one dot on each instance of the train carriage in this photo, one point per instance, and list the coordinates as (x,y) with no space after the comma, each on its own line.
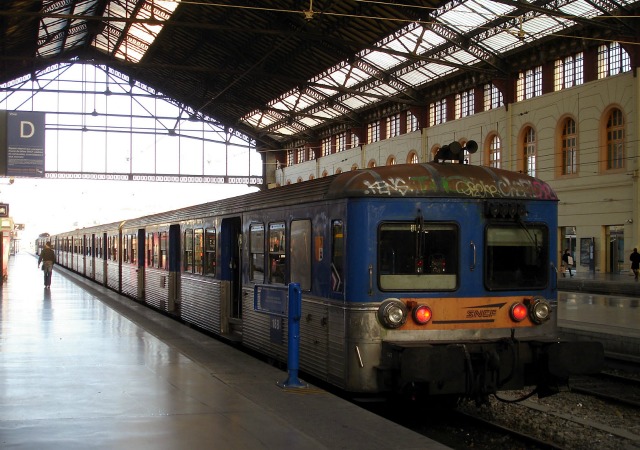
(428,279)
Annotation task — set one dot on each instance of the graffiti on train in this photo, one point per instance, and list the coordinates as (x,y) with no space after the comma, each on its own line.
(463,186)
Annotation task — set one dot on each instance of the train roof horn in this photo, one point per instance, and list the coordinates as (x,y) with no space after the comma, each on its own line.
(455,151)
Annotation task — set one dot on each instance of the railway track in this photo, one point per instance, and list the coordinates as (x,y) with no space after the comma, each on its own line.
(516,438)
(610,387)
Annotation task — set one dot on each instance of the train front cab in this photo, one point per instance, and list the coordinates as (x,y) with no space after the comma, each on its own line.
(454,294)
(489,328)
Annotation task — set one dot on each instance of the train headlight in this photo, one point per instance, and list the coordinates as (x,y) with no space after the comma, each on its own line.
(540,311)
(421,314)
(392,313)
(518,312)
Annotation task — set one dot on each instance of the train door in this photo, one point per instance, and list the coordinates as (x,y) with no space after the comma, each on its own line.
(105,255)
(91,255)
(174,266)
(230,254)
(141,250)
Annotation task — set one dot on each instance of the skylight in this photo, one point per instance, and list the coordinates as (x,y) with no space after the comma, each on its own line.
(421,53)
(128,27)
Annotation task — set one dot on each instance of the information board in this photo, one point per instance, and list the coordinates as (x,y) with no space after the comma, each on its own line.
(24,152)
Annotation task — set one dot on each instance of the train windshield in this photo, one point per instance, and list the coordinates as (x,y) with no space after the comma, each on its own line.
(516,256)
(417,255)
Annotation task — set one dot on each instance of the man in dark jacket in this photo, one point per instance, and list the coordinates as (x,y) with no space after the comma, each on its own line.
(635,262)
(48,259)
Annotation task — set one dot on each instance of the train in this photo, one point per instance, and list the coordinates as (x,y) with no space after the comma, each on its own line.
(433,280)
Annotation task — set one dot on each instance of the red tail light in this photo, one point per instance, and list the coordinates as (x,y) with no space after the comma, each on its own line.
(518,312)
(422,314)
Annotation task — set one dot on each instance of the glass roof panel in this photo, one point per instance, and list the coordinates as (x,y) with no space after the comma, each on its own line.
(462,57)
(325,92)
(343,75)
(85,8)
(543,25)
(383,60)
(439,69)
(430,39)
(415,77)
(462,19)
(355,102)
(311,122)
(502,41)
(579,8)
(305,102)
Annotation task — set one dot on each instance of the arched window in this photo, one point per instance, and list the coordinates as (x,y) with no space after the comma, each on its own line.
(530,150)
(614,157)
(311,177)
(354,167)
(338,170)
(569,147)
(412,157)
(434,150)
(325,173)
(372,164)
(494,151)
(391,161)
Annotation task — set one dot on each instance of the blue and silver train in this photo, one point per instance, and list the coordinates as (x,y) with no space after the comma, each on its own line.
(433,279)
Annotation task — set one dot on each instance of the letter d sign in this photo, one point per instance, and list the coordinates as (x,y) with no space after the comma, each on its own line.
(26,129)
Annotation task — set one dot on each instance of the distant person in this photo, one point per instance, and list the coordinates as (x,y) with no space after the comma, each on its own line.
(48,259)
(567,261)
(635,262)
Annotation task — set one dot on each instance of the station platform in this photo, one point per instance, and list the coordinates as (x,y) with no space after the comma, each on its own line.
(84,368)
(622,283)
(603,307)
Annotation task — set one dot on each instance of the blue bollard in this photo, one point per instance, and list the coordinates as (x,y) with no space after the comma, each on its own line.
(293,343)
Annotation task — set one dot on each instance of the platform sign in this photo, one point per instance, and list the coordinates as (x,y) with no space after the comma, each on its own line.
(25,141)
(272,300)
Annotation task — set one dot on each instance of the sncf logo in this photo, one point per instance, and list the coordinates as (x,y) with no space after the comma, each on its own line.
(483,311)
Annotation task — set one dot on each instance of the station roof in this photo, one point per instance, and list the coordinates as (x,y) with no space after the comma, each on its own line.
(280,71)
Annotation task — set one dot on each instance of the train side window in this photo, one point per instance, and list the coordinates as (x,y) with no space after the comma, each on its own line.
(300,253)
(162,263)
(337,256)
(134,248)
(149,249)
(188,250)
(198,246)
(418,255)
(210,251)
(277,256)
(126,243)
(256,242)
(113,248)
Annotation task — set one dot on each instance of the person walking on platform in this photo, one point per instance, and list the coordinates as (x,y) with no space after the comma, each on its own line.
(567,261)
(635,262)
(48,259)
